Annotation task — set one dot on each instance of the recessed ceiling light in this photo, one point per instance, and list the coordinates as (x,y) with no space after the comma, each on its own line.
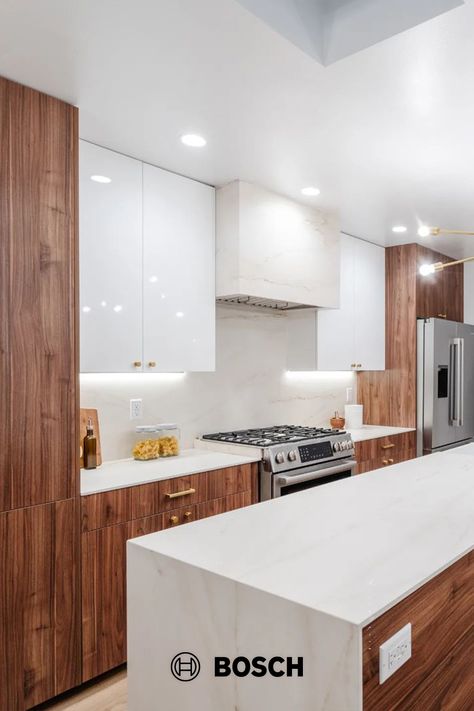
(153,279)
(101,179)
(179,314)
(424,231)
(311,191)
(117,308)
(193,140)
(86,309)
(399,229)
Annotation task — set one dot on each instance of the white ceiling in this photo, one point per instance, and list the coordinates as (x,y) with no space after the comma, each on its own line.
(329,30)
(386,134)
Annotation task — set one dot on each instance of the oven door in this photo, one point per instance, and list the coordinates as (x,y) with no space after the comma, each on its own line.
(291,482)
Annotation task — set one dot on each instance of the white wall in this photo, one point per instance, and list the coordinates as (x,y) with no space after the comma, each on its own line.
(469,293)
(250,388)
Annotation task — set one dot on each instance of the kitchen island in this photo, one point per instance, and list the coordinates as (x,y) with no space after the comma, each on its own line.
(326,575)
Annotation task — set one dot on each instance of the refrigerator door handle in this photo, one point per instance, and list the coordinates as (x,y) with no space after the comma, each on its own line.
(456,390)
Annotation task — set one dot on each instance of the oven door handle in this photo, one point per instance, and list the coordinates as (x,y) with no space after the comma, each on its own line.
(317,474)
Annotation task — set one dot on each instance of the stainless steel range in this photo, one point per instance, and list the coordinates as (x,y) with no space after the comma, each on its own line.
(293,458)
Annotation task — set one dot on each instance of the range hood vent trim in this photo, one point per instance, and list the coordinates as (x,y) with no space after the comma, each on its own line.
(257,302)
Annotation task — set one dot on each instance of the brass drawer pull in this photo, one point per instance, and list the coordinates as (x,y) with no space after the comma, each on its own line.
(387,446)
(442,315)
(137,364)
(152,363)
(174,520)
(177,494)
(188,515)
(387,461)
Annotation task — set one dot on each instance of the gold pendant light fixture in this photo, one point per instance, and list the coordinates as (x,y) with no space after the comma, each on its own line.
(426,231)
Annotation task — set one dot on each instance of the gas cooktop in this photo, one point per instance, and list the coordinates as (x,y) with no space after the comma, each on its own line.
(268,436)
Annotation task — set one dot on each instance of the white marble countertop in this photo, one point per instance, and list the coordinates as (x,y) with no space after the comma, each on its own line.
(351,549)
(128,472)
(375,431)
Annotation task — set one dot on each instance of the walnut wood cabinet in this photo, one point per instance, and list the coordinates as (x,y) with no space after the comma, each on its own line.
(39,472)
(440,673)
(39,603)
(111,518)
(389,397)
(384,451)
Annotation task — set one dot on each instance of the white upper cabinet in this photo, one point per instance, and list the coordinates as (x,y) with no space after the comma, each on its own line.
(179,272)
(353,336)
(147,264)
(369,304)
(110,261)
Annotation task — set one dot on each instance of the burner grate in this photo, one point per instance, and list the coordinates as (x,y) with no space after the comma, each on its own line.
(267,436)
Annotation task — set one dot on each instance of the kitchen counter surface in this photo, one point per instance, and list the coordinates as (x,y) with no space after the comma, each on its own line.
(375,431)
(351,549)
(128,472)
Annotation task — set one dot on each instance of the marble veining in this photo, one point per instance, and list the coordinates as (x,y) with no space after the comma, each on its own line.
(250,388)
(351,549)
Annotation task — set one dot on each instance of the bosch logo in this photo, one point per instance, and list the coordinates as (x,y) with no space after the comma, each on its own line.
(185,666)
(258,666)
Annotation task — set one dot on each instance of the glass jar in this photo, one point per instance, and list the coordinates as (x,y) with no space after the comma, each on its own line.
(154,441)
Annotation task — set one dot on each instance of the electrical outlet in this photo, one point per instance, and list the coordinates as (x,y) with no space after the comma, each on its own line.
(394,653)
(136,411)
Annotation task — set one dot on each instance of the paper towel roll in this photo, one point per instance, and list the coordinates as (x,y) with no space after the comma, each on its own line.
(354,415)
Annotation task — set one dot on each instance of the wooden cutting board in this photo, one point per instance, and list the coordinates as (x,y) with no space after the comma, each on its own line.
(87,414)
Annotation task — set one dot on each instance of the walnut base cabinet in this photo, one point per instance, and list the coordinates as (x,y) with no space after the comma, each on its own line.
(440,673)
(384,451)
(39,604)
(111,518)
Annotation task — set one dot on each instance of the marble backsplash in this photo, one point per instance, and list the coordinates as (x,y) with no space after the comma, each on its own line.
(250,388)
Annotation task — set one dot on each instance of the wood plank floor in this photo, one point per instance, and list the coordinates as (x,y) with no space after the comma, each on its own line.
(108,694)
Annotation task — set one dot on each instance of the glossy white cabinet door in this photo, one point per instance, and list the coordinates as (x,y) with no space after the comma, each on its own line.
(369,283)
(336,327)
(110,261)
(353,336)
(179,273)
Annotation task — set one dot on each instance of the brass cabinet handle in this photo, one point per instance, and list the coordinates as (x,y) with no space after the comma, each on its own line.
(188,514)
(174,520)
(387,446)
(177,494)
(387,461)
(390,461)
(152,363)
(137,364)
(353,365)
(442,315)
(359,365)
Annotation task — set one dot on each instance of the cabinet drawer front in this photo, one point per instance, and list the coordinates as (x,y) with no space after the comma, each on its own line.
(386,461)
(145,500)
(375,448)
(176,517)
(182,491)
(105,509)
(226,503)
(232,480)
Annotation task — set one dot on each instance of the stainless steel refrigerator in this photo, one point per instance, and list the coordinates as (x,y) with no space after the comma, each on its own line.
(445,384)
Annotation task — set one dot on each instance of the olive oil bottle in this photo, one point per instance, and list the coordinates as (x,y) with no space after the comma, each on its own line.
(90,447)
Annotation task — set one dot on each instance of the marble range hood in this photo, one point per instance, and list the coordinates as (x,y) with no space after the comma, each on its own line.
(273,252)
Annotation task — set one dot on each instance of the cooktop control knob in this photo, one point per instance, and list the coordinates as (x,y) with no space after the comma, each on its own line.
(292,456)
(336,447)
(280,457)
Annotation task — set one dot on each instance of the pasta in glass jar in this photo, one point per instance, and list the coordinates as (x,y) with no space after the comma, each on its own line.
(154,441)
